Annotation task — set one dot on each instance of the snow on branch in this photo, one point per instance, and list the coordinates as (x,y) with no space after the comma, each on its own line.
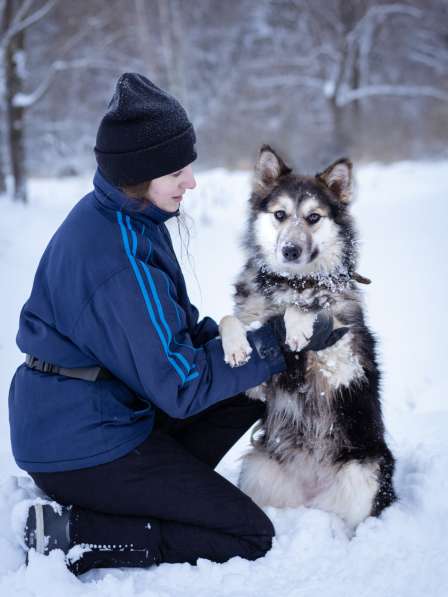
(21,21)
(21,12)
(26,100)
(293,79)
(296,61)
(349,95)
(432,49)
(378,14)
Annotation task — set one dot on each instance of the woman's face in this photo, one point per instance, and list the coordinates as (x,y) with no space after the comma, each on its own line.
(166,192)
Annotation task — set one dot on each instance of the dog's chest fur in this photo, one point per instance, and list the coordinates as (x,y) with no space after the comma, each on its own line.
(302,401)
(298,422)
(259,295)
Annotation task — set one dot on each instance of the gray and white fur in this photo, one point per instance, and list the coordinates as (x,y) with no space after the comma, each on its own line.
(321,442)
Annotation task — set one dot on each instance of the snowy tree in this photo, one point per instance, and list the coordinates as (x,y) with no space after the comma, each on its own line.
(329,50)
(21,90)
(315,76)
(16,17)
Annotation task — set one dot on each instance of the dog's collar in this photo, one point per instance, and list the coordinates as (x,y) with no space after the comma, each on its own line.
(267,279)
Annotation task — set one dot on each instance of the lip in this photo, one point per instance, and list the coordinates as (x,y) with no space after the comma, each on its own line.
(178,198)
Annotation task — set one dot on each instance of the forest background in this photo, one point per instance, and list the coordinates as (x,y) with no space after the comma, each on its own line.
(316,78)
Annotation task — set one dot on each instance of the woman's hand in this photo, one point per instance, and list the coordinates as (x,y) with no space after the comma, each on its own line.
(321,335)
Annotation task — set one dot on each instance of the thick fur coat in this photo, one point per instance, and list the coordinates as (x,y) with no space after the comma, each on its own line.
(321,443)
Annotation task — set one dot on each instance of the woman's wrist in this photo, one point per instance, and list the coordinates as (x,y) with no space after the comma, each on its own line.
(268,342)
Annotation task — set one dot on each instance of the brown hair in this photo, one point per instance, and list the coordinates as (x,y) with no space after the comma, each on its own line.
(137,191)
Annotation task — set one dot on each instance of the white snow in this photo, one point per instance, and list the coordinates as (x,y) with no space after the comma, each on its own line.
(402,215)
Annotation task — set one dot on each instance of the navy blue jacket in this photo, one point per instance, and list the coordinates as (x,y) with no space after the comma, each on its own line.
(109,291)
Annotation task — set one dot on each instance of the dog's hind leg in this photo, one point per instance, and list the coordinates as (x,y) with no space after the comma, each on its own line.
(268,483)
(352,493)
(386,492)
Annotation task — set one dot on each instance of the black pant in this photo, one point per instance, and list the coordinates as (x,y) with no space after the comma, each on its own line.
(163,502)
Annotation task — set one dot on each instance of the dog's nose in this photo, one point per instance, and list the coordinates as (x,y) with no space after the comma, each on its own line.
(291,252)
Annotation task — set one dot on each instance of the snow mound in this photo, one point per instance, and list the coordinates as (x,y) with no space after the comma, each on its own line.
(401,212)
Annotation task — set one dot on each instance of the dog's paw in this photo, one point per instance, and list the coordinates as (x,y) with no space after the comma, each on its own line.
(299,328)
(238,354)
(257,393)
(236,348)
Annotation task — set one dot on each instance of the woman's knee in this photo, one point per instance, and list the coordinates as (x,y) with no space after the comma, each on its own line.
(262,534)
(43,482)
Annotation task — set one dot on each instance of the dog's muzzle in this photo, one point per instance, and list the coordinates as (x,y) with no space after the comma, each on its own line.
(291,252)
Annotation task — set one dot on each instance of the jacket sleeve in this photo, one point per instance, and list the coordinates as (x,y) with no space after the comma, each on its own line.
(207,328)
(203,330)
(134,327)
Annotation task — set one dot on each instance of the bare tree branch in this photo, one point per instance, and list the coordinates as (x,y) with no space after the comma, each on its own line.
(26,100)
(18,24)
(21,12)
(347,96)
(379,14)
(291,79)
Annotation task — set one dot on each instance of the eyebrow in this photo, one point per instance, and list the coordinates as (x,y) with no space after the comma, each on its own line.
(310,203)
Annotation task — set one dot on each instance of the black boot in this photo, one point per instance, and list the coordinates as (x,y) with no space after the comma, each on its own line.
(91,539)
(48,528)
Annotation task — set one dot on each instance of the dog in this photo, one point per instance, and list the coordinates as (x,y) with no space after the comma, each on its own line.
(321,441)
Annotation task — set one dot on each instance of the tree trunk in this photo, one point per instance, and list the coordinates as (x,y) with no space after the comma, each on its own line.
(2,158)
(15,138)
(171,42)
(142,31)
(3,122)
(340,140)
(3,129)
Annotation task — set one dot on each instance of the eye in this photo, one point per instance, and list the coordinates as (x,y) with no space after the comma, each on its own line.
(177,174)
(313,218)
(280,215)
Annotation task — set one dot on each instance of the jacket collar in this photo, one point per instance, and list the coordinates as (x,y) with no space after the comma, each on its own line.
(111,197)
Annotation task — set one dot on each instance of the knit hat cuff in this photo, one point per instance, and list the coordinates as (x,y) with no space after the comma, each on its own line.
(134,167)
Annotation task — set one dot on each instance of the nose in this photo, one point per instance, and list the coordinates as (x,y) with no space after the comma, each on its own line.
(291,252)
(189,181)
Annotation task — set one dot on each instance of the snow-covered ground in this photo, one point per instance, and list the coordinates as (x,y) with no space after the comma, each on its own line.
(402,213)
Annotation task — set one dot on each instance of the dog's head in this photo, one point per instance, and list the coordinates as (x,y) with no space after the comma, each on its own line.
(301,224)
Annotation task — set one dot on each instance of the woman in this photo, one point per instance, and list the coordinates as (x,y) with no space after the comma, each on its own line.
(125,404)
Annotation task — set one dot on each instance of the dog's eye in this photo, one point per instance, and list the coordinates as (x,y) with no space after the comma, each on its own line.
(313,218)
(280,214)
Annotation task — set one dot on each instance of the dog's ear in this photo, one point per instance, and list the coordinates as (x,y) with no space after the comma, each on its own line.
(338,178)
(268,169)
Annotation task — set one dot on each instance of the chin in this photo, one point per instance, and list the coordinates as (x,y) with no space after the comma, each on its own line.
(171,208)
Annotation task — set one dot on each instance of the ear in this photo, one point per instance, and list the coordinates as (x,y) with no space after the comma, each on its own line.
(338,178)
(268,169)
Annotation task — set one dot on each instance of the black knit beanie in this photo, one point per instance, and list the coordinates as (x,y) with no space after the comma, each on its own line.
(144,134)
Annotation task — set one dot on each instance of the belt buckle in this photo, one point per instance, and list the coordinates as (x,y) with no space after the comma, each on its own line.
(30,361)
(47,367)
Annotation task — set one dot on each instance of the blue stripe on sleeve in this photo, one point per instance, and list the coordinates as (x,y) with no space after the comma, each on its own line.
(156,299)
(149,307)
(170,338)
(134,236)
(175,305)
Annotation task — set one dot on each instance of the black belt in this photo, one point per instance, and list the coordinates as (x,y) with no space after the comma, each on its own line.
(85,373)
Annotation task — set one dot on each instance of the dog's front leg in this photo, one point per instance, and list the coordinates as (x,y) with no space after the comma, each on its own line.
(234,341)
(299,327)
